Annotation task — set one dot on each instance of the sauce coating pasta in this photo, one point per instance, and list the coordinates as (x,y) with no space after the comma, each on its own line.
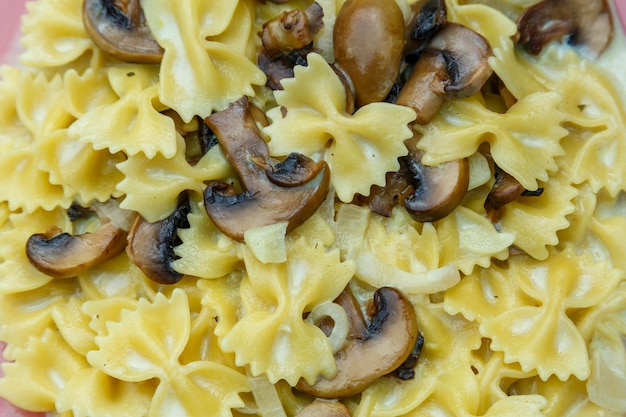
(519,299)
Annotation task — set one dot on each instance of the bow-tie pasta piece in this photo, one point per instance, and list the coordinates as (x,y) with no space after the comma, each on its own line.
(315,105)
(54,34)
(52,363)
(147,343)
(199,75)
(205,252)
(469,239)
(536,220)
(492,292)
(272,337)
(133,123)
(544,337)
(152,186)
(91,392)
(523,142)
(597,120)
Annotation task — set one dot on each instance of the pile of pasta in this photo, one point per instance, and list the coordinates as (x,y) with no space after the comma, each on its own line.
(537,330)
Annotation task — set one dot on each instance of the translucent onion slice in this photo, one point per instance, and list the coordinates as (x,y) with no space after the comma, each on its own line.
(340,319)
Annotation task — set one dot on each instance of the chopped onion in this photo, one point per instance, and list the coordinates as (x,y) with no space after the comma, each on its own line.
(266,397)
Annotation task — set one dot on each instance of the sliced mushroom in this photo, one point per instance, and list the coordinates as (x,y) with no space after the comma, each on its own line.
(585,24)
(286,41)
(504,190)
(406,370)
(273,192)
(368,42)
(425,90)
(454,64)
(382,200)
(427,18)
(151,245)
(375,350)
(292,30)
(62,255)
(438,189)
(118,27)
(320,408)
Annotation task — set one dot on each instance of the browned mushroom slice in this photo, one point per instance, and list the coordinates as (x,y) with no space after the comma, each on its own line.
(118,27)
(425,89)
(586,24)
(62,255)
(438,189)
(368,41)
(379,348)
(292,30)
(398,186)
(426,19)
(406,370)
(287,39)
(454,64)
(504,190)
(151,245)
(467,54)
(292,193)
(319,408)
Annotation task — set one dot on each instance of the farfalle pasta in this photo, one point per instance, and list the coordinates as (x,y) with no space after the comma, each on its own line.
(500,290)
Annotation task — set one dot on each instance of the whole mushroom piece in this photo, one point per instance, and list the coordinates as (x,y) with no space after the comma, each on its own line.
(368,42)
(372,350)
(274,191)
(121,32)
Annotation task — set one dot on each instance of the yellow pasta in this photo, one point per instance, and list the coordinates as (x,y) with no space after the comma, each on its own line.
(316,103)
(520,308)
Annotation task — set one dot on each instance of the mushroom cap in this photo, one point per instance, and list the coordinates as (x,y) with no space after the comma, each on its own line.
(368,42)
(384,345)
(118,34)
(274,191)
(151,245)
(467,55)
(455,63)
(586,24)
(438,189)
(62,255)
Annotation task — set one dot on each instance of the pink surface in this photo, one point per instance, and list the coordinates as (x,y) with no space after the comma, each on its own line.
(10,12)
